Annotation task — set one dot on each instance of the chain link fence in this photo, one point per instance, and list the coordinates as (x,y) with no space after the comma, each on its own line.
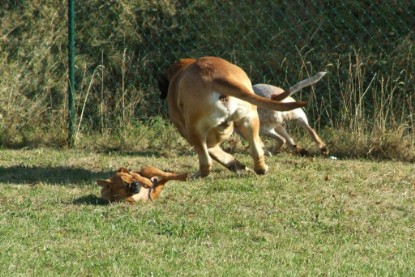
(121,47)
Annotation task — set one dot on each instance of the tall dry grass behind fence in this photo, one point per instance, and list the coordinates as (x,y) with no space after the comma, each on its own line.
(122,46)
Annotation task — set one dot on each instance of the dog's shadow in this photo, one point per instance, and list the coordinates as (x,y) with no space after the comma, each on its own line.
(21,175)
(90,200)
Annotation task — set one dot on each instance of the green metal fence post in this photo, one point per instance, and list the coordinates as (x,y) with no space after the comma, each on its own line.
(71,65)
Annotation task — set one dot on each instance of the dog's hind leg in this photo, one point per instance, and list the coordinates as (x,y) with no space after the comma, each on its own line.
(280,140)
(249,129)
(289,140)
(205,161)
(303,122)
(226,159)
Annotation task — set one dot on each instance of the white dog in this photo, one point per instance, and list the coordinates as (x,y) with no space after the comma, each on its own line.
(271,122)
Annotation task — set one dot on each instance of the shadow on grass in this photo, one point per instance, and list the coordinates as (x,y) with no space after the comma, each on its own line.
(163,153)
(50,175)
(90,200)
(119,152)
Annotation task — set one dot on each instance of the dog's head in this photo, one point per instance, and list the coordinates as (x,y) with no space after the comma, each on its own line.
(164,80)
(131,187)
(126,185)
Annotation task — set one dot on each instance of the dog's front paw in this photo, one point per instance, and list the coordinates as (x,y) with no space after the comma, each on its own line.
(300,151)
(236,166)
(261,170)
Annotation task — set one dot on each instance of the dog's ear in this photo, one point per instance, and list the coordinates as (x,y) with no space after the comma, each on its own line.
(163,83)
(103,183)
(123,170)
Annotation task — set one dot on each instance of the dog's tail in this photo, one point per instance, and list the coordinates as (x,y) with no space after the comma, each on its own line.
(238,90)
(298,86)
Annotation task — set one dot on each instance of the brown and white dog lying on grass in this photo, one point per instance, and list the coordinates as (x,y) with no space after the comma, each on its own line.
(209,97)
(272,122)
(132,187)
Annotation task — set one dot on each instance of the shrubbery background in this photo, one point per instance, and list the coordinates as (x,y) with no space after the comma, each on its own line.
(121,46)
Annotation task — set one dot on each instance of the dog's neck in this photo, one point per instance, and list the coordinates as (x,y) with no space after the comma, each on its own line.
(143,195)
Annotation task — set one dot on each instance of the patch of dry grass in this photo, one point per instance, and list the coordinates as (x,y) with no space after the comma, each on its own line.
(122,46)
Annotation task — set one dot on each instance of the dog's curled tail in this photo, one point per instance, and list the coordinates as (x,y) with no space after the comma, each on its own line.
(298,86)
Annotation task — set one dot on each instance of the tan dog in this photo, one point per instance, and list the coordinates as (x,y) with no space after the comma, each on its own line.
(272,122)
(131,187)
(207,99)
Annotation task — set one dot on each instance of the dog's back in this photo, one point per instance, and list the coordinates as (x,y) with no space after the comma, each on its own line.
(270,118)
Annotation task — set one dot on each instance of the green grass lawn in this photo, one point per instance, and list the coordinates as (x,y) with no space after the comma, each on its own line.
(307,216)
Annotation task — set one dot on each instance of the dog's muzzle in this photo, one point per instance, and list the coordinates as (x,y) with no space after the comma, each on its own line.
(132,188)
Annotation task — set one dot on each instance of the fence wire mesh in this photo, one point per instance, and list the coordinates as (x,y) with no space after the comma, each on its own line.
(367,47)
